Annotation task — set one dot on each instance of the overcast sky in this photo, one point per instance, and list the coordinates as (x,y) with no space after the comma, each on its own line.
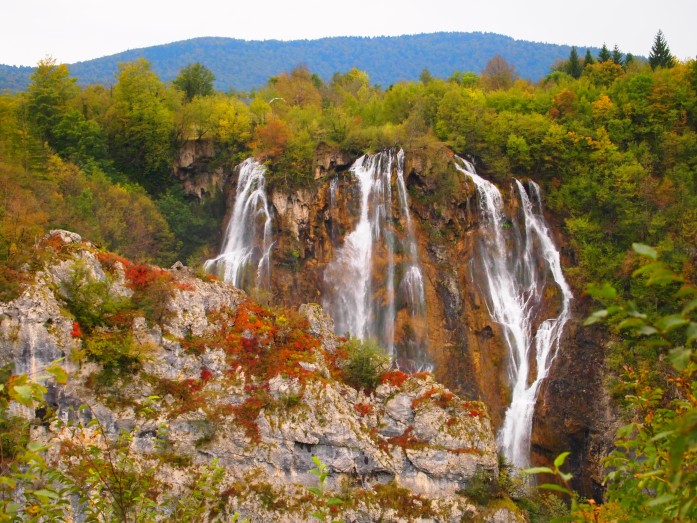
(76,30)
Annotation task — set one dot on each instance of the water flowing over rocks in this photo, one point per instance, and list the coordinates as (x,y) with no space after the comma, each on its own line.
(412,431)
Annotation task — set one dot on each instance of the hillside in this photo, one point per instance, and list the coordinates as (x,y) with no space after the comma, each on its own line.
(243,65)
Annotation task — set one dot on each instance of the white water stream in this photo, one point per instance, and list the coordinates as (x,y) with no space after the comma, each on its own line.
(245,255)
(516,265)
(374,283)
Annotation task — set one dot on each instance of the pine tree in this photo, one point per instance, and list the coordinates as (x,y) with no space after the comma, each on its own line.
(574,67)
(617,55)
(660,53)
(604,55)
(588,60)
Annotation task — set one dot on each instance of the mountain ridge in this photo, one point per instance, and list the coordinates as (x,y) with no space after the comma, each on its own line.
(247,64)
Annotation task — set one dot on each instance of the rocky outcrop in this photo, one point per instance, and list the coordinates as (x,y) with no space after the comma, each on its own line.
(260,393)
(201,168)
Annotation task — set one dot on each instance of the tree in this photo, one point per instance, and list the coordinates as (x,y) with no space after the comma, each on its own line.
(660,53)
(588,60)
(140,125)
(617,55)
(498,74)
(574,66)
(195,80)
(604,55)
(49,92)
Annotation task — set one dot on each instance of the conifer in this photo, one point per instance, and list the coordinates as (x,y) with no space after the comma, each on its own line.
(575,68)
(604,55)
(660,53)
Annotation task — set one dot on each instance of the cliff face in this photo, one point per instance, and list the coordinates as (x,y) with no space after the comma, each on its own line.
(467,348)
(259,392)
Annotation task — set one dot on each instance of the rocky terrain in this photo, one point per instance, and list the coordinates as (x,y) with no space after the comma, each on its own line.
(465,345)
(198,375)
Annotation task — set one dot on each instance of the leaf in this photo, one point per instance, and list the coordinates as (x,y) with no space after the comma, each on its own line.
(670,323)
(538,470)
(601,292)
(35,446)
(560,459)
(687,309)
(317,492)
(691,332)
(631,323)
(331,502)
(46,494)
(556,488)
(58,373)
(645,250)
(23,394)
(680,358)
(596,317)
(646,330)
(660,500)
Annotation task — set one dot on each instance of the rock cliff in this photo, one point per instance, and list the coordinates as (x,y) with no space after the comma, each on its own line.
(466,346)
(196,373)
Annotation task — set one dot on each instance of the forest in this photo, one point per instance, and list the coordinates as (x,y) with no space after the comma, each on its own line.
(243,65)
(612,140)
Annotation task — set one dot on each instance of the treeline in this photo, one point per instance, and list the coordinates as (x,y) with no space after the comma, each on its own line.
(243,65)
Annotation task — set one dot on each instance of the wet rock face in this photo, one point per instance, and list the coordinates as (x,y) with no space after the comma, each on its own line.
(263,427)
(467,348)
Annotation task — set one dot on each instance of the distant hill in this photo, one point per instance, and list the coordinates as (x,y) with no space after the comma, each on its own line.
(243,65)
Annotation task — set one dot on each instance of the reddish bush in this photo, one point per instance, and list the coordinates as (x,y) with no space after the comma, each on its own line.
(76,332)
(394,377)
(364,409)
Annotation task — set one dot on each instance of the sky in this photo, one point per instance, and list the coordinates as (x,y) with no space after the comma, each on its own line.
(78,30)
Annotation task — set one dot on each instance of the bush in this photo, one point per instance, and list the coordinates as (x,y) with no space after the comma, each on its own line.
(366,362)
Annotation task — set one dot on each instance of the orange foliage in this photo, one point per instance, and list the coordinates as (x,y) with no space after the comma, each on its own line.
(394,378)
(142,276)
(364,409)
(270,139)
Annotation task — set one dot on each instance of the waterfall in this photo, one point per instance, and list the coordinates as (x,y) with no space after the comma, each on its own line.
(245,256)
(374,283)
(515,264)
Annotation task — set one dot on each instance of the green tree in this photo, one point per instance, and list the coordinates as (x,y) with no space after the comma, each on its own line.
(588,60)
(574,67)
(140,126)
(617,55)
(195,80)
(604,55)
(660,53)
(49,92)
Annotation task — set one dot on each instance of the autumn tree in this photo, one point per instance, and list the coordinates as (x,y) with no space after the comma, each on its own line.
(195,80)
(498,74)
(660,53)
(140,125)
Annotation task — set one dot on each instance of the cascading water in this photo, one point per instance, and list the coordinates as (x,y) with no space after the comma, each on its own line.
(374,283)
(245,256)
(515,265)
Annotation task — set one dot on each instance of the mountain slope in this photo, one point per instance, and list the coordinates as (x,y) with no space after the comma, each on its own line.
(243,65)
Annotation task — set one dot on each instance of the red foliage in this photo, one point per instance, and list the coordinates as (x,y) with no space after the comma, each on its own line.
(440,398)
(394,378)
(246,417)
(109,260)
(76,332)
(270,139)
(406,440)
(364,409)
(142,276)
(206,375)
(185,287)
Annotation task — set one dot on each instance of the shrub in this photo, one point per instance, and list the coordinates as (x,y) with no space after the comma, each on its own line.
(366,362)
